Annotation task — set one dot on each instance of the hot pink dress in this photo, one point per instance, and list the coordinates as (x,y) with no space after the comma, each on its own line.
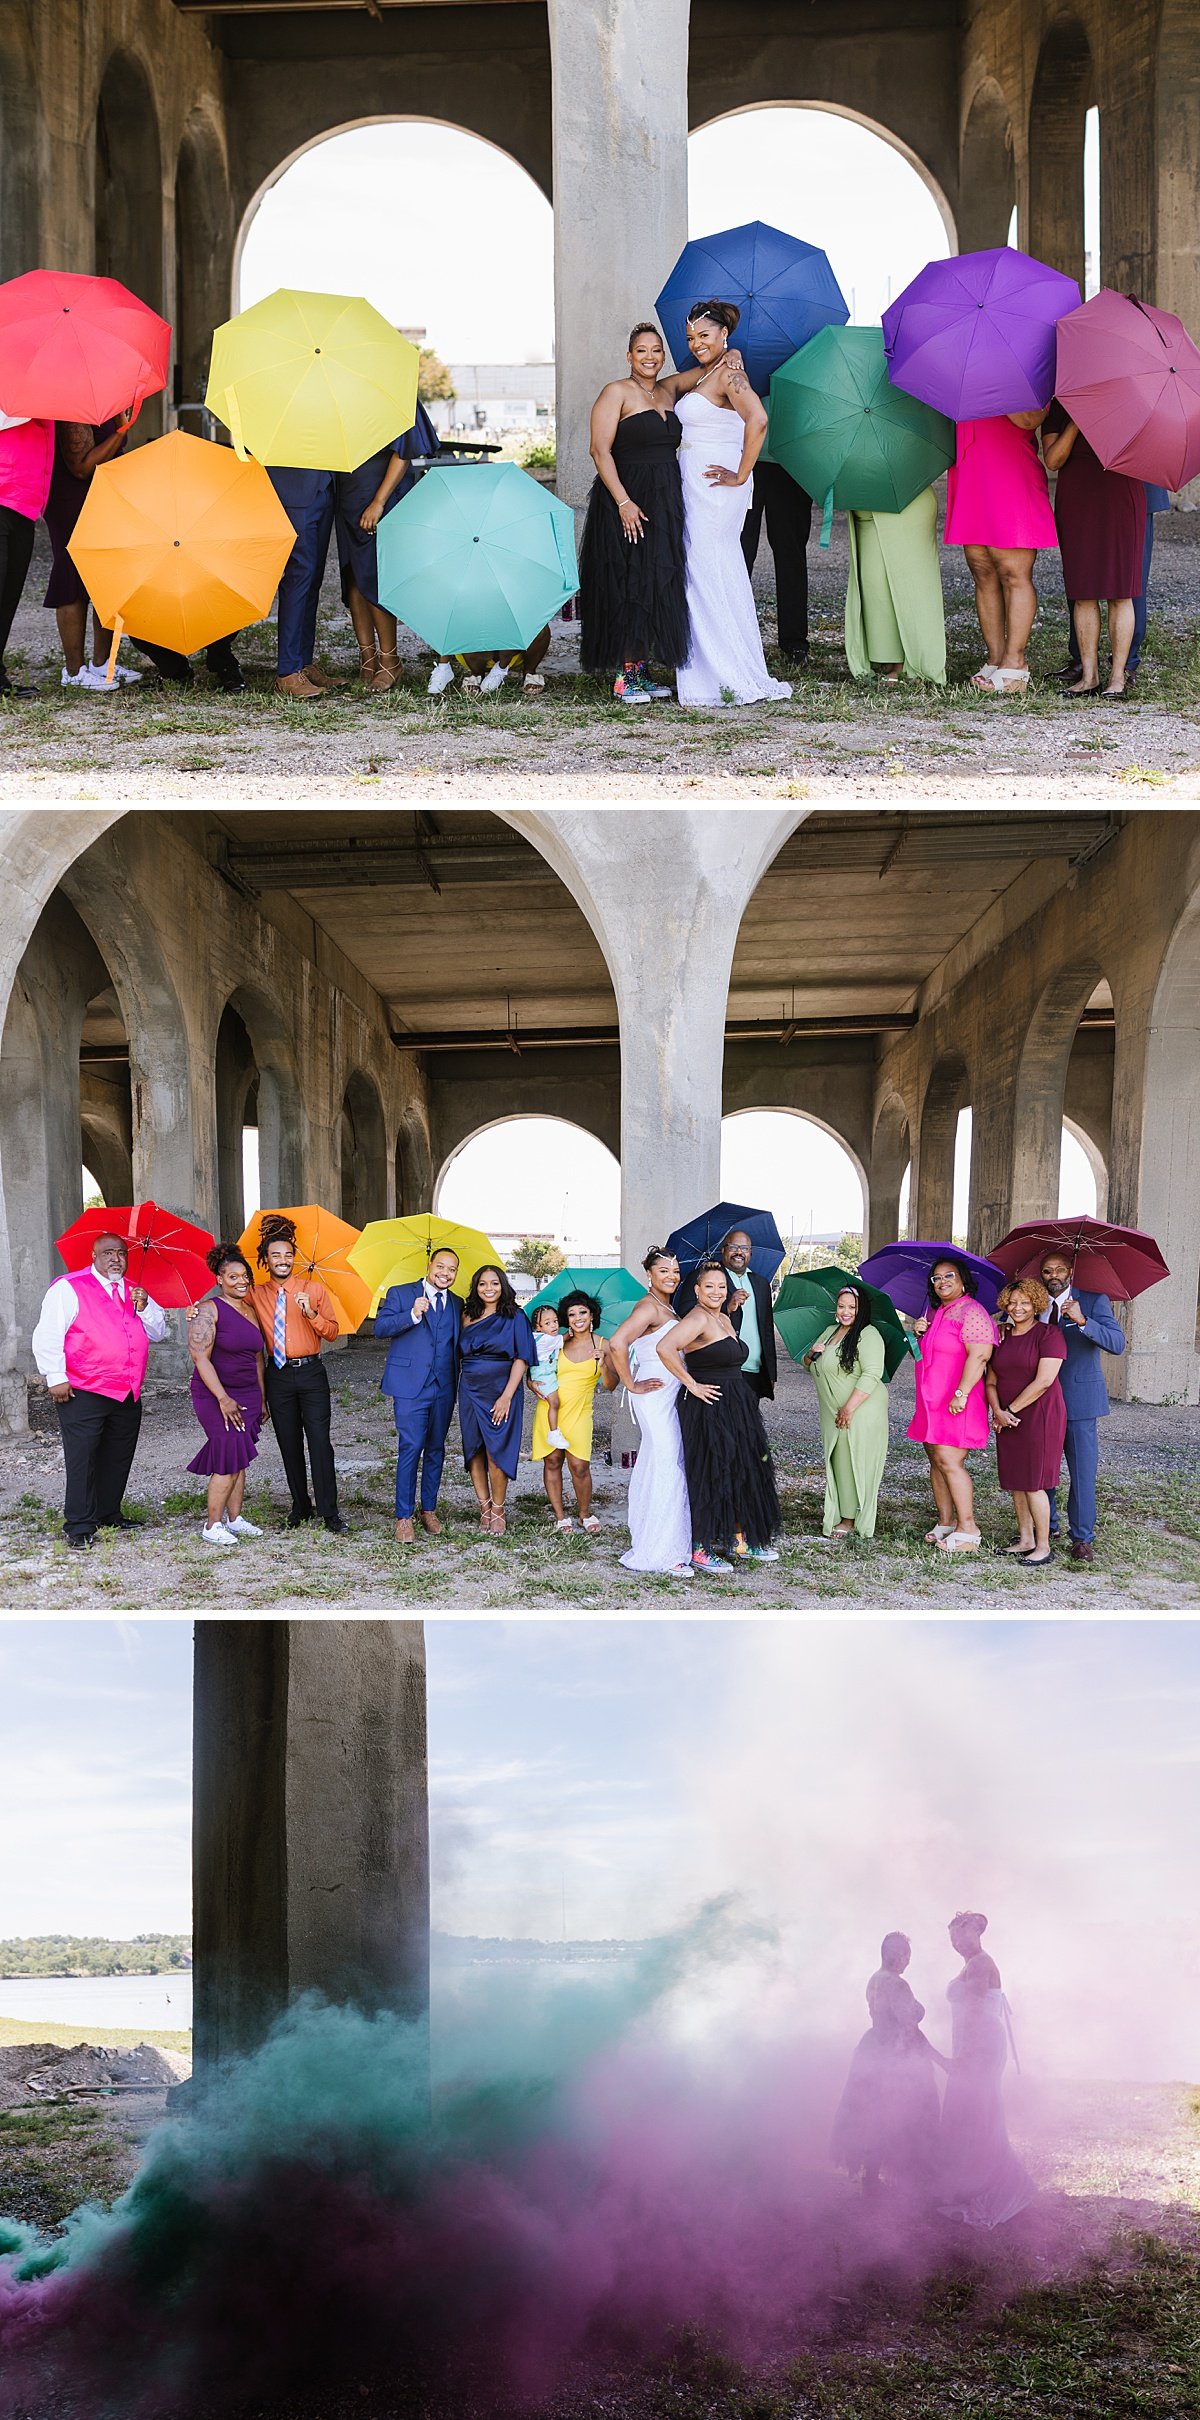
(954,1328)
(996,492)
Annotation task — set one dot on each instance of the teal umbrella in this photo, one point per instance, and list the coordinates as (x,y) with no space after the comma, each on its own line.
(846,434)
(805,1307)
(477,557)
(616,1291)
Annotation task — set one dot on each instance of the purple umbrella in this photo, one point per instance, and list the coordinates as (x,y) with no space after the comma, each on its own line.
(975,336)
(901,1271)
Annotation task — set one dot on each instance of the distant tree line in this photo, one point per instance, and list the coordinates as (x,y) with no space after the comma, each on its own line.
(86,1954)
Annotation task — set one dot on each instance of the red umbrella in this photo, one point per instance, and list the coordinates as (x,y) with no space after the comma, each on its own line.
(1117,1261)
(78,348)
(166,1255)
(1129,375)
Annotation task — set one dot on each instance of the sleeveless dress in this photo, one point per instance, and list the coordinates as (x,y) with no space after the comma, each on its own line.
(981,2179)
(576,1402)
(730,1474)
(487,1351)
(726,656)
(633,599)
(660,1524)
(951,1332)
(888,2114)
(997,493)
(234,1356)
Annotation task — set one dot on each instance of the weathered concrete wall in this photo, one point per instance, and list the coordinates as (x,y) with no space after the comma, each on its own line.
(310,1846)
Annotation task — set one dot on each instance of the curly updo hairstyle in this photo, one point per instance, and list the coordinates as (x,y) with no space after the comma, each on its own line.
(722,314)
(221,1255)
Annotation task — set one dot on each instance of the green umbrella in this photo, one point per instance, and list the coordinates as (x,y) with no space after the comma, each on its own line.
(476,558)
(845,433)
(616,1291)
(805,1308)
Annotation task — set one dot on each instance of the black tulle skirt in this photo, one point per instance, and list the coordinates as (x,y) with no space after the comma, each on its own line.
(730,1474)
(633,599)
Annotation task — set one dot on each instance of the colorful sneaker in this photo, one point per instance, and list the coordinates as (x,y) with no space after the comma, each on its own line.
(628,690)
(702,1560)
(761,1554)
(652,688)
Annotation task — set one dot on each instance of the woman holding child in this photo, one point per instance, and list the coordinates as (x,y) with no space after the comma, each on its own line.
(562,1423)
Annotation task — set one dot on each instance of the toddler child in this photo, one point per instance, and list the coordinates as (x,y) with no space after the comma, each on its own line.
(543,1376)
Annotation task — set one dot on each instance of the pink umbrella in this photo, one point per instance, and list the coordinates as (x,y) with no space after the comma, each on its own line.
(1129,375)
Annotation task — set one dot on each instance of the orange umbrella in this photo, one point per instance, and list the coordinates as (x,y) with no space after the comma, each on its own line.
(180,543)
(322,1243)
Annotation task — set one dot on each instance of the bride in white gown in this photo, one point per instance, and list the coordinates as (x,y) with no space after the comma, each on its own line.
(724,425)
(660,1524)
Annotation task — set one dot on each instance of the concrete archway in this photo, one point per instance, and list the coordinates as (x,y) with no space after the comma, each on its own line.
(363,1151)
(22,149)
(854,117)
(891,1154)
(1159,1185)
(258,1083)
(947,1094)
(413,1163)
(203,260)
(1095,1159)
(557,1197)
(1061,97)
(1040,1092)
(801,1117)
(987,185)
(129,193)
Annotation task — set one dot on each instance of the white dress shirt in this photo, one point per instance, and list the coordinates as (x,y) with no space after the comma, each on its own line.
(1057,1302)
(60,1308)
(436,1297)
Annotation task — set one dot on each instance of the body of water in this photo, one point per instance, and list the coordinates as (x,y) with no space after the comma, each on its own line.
(151,2002)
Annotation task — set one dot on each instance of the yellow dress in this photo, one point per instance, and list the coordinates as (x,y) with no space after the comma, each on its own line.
(576,1396)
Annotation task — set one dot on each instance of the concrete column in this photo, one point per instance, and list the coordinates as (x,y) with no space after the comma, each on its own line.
(1156,1186)
(310,1827)
(619,80)
(889,1159)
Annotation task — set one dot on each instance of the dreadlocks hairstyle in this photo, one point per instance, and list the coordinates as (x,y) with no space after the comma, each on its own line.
(276,1229)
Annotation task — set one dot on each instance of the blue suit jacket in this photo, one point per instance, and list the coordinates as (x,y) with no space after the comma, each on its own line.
(1082,1379)
(408,1369)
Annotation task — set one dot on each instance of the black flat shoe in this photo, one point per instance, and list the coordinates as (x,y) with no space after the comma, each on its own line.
(337,1528)
(81,1545)
(297,1520)
(1035,1562)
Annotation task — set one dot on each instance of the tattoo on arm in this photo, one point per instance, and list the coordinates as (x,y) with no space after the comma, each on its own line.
(203,1328)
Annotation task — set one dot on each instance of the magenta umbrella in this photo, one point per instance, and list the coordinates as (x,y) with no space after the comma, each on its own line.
(974,336)
(1117,1261)
(1129,375)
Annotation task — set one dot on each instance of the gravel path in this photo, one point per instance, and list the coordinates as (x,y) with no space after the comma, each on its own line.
(1148,1547)
(832,740)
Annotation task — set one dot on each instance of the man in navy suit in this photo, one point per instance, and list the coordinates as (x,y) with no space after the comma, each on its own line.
(421,1376)
(307,498)
(1090,1329)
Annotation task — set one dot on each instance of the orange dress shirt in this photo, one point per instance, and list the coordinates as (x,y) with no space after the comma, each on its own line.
(301,1336)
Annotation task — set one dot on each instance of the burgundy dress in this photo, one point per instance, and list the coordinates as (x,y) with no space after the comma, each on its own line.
(1101,521)
(1030,1457)
(234,1356)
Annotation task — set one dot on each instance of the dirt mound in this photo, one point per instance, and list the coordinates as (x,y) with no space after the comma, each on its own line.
(44,2071)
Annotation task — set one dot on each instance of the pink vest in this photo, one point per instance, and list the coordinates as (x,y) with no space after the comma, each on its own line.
(26,462)
(106,1345)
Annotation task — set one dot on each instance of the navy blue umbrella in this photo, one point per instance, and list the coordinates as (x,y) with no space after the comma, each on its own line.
(901,1271)
(701,1238)
(784,289)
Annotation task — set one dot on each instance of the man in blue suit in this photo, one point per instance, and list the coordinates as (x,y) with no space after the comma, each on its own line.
(307,498)
(421,1376)
(1090,1329)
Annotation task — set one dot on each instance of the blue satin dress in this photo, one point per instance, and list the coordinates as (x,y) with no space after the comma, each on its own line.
(487,1351)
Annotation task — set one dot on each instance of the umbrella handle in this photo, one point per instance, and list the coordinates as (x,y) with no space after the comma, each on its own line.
(827,520)
(233,421)
(110,672)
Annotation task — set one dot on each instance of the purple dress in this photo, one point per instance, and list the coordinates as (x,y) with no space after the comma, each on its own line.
(234,1356)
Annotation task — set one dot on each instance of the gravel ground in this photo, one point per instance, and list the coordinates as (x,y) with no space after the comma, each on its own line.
(1148,1546)
(833,740)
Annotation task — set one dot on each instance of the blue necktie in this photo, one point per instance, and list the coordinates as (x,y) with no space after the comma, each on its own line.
(278,1349)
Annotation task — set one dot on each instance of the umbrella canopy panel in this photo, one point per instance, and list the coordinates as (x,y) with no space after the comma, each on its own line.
(312,381)
(784,289)
(477,558)
(839,425)
(181,542)
(1129,376)
(974,336)
(78,348)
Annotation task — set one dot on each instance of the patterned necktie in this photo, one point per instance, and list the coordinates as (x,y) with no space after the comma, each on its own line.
(278,1347)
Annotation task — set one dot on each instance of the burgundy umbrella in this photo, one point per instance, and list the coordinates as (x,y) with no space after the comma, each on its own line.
(1129,375)
(1117,1261)
(974,336)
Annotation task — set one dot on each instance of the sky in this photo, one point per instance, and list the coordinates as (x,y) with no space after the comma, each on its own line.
(359,197)
(839,1778)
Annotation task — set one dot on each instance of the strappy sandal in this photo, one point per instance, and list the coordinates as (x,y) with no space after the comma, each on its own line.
(591,1524)
(368,666)
(940,1530)
(959,1542)
(564,1527)
(485,1519)
(389,670)
(499,1524)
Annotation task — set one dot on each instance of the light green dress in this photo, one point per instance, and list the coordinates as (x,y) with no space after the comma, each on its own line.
(854,1456)
(894,610)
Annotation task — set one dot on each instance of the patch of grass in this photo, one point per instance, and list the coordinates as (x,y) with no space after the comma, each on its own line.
(15,2031)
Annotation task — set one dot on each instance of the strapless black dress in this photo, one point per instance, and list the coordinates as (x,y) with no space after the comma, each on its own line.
(633,599)
(730,1474)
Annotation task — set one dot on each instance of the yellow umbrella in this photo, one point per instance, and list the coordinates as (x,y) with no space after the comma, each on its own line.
(396,1252)
(180,544)
(323,1247)
(312,381)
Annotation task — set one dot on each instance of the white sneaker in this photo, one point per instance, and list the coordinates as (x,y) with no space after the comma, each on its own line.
(125,672)
(95,676)
(493,680)
(73,680)
(241,1528)
(218,1536)
(560,1443)
(440,679)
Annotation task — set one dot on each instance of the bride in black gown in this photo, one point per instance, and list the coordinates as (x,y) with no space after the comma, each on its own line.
(730,1474)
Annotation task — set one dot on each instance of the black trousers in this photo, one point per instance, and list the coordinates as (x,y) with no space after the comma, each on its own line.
(173,667)
(298,1401)
(99,1438)
(16,547)
(787,511)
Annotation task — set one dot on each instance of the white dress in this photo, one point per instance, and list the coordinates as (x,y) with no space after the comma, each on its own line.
(660,1522)
(726,655)
(982,2180)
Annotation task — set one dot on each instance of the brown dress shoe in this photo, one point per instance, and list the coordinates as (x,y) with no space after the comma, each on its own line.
(430,1521)
(297,684)
(323,680)
(1081,1551)
(404,1533)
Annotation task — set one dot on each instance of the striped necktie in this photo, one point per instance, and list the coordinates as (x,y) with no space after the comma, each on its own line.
(278,1346)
